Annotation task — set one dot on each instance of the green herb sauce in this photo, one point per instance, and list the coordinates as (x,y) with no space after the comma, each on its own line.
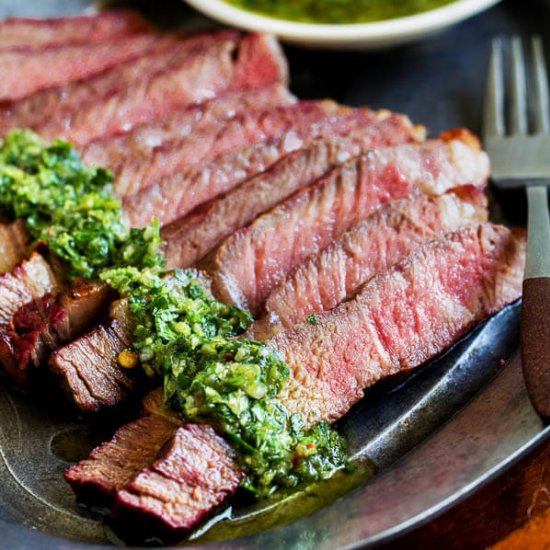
(182,335)
(338,11)
(186,337)
(70,207)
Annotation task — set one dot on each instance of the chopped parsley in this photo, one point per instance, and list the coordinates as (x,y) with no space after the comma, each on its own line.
(312,319)
(70,207)
(182,334)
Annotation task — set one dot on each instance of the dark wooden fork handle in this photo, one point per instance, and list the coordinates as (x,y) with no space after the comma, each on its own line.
(535,342)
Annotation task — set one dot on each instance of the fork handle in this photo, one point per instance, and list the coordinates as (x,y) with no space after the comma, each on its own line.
(535,313)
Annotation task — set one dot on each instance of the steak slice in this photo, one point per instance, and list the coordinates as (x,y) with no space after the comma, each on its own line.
(33,34)
(14,244)
(27,281)
(61,101)
(87,367)
(208,73)
(400,319)
(112,465)
(177,195)
(137,144)
(380,241)
(195,473)
(192,237)
(251,263)
(24,73)
(44,324)
(209,142)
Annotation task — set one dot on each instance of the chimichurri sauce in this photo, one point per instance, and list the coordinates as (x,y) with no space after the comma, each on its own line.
(338,11)
(182,335)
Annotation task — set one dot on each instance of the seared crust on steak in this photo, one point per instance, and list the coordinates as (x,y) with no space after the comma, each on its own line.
(112,465)
(400,319)
(87,367)
(195,473)
(27,281)
(45,323)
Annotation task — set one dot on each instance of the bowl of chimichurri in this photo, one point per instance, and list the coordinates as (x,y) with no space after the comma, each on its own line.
(351,24)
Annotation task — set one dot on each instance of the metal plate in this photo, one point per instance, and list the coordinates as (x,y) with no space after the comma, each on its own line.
(434,438)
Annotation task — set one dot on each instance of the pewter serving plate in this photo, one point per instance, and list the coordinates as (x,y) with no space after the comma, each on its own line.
(431,438)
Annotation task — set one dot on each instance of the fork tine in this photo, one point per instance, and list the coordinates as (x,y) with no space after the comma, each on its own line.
(541,122)
(518,103)
(493,112)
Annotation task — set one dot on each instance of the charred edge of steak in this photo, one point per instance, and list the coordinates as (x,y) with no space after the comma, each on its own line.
(41,326)
(27,281)
(88,371)
(195,473)
(112,465)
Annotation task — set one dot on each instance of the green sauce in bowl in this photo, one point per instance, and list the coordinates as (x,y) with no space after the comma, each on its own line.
(338,11)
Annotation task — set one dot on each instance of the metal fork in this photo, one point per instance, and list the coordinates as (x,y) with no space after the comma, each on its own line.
(522,158)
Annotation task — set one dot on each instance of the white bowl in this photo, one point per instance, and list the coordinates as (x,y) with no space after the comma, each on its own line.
(380,34)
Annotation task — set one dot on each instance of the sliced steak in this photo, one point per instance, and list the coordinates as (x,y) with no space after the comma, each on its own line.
(195,473)
(44,324)
(137,144)
(400,319)
(23,72)
(27,281)
(60,102)
(87,367)
(177,195)
(211,141)
(111,466)
(251,263)
(192,237)
(383,239)
(208,73)
(14,244)
(31,34)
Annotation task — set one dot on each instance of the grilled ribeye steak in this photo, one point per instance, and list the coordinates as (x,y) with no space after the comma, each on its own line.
(87,368)
(61,102)
(190,238)
(383,239)
(14,244)
(136,145)
(25,72)
(27,281)
(112,465)
(400,319)
(32,34)
(222,63)
(42,325)
(195,473)
(251,263)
